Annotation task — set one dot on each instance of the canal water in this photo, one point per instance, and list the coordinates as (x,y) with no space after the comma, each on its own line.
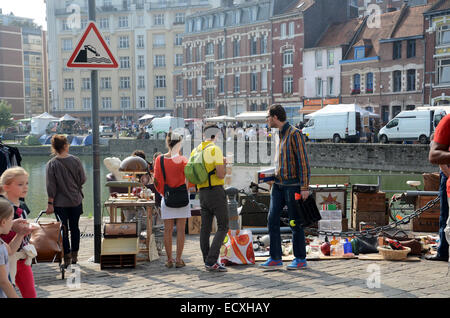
(242,176)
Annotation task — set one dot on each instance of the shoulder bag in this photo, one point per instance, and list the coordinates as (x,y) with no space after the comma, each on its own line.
(174,197)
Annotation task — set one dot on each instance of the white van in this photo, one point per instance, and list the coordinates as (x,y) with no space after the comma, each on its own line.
(411,125)
(335,122)
(164,124)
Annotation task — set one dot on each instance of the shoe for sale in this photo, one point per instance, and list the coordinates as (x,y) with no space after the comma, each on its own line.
(270,263)
(216,268)
(297,263)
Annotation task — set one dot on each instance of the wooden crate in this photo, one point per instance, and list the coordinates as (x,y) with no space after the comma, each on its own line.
(194,225)
(117,261)
(426,224)
(422,200)
(369,202)
(379,218)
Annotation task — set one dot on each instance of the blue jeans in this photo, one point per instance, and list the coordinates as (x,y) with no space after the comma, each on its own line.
(442,250)
(280,196)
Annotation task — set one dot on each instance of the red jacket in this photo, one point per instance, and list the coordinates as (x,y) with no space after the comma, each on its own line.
(174,169)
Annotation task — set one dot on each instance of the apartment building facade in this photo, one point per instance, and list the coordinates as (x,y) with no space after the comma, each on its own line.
(146,39)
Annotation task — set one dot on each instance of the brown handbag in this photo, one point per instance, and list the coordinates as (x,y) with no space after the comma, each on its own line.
(47,240)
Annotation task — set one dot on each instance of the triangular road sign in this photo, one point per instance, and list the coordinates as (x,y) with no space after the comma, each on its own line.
(92,51)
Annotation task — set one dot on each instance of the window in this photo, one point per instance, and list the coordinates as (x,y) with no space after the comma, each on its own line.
(141,102)
(160,61)
(140,42)
(209,98)
(237,83)
(221,50)
(160,81)
(330,87)
(65,25)
(283,30)
(105,83)
(179,18)
(263,44)
(179,86)
(124,82)
(189,86)
(411,49)
(264,80)
(397,77)
(291,29)
(397,50)
(253,45)
(189,54)
(67,44)
(69,103)
(393,123)
(123,22)
(288,57)
(178,59)
(209,48)
(209,70)
(198,51)
(360,52)
(443,34)
(158,19)
(369,83)
(160,102)
(68,84)
(159,40)
(330,58)
(140,20)
(254,82)
(141,63)
(319,86)
(124,61)
(86,103)
(356,84)
(288,83)
(124,42)
(199,85)
(141,81)
(178,39)
(318,59)
(86,83)
(236,48)
(411,80)
(125,102)
(221,84)
(444,71)
(106,103)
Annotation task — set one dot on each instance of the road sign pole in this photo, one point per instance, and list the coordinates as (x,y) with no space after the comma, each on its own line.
(95,152)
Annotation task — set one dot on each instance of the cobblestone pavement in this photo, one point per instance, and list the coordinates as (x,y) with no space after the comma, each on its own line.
(343,278)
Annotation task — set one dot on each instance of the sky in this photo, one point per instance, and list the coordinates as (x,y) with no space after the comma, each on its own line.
(34,9)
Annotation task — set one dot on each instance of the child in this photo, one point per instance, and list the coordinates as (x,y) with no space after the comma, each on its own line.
(6,217)
(14,187)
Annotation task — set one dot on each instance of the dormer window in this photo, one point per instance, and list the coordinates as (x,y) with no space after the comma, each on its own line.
(360,52)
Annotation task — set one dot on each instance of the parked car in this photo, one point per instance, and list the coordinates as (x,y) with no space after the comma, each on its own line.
(162,125)
(105,131)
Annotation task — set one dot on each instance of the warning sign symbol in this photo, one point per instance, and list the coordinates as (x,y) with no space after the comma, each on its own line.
(92,51)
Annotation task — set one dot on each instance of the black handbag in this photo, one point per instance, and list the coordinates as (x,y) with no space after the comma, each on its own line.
(174,197)
(307,212)
(367,245)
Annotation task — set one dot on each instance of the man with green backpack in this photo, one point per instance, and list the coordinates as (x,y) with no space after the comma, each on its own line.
(206,169)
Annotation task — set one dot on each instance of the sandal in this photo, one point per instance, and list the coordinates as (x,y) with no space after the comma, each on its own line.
(169,264)
(180,264)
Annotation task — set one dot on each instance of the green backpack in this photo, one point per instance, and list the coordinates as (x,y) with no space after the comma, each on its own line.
(195,170)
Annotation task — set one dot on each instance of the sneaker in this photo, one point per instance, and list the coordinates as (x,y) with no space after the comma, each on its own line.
(270,263)
(216,268)
(297,263)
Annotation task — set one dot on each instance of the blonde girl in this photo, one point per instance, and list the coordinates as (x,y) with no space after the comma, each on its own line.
(6,220)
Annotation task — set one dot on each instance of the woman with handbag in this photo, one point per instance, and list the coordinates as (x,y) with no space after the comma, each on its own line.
(65,177)
(171,183)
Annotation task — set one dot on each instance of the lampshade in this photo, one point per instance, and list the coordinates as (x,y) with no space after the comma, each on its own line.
(133,164)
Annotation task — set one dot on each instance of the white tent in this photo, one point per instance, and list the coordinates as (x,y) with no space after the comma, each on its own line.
(342,108)
(146,116)
(219,119)
(256,116)
(67,117)
(40,123)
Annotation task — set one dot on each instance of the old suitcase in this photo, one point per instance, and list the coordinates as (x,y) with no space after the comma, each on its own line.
(114,230)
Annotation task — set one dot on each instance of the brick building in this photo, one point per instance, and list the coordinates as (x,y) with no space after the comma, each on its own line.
(437,55)
(366,7)
(383,70)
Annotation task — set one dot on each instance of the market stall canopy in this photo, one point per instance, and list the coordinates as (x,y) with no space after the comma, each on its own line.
(45,116)
(39,123)
(256,116)
(342,108)
(219,119)
(147,116)
(67,117)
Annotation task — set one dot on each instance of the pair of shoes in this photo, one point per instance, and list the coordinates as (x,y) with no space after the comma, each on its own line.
(297,263)
(270,263)
(180,264)
(216,268)
(435,257)
(169,264)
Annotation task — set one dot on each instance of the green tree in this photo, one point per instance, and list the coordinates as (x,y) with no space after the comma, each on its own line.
(5,115)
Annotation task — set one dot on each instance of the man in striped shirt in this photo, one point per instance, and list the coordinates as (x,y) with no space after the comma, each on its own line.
(292,175)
